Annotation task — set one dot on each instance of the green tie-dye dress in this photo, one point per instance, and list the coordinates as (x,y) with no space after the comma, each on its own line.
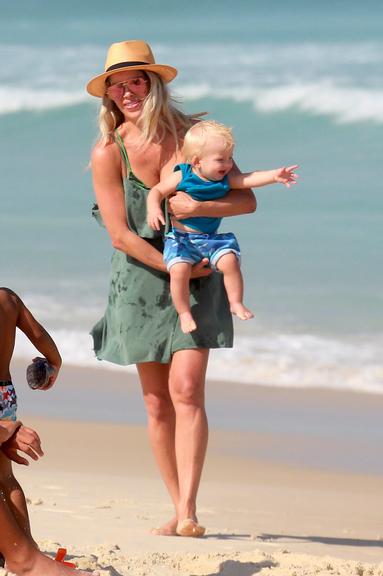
(140,323)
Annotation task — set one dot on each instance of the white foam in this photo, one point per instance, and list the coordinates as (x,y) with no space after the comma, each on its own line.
(344,104)
(12,100)
(301,360)
(288,360)
(339,80)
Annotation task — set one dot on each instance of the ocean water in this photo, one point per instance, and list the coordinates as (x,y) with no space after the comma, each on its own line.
(299,83)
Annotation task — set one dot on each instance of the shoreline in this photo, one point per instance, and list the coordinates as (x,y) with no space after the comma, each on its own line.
(309,428)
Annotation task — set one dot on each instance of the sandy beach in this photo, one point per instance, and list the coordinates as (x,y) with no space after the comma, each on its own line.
(97,493)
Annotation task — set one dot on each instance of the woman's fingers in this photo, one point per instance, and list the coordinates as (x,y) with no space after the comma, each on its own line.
(201,269)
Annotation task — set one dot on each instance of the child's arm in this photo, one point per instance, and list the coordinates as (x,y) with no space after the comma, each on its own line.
(26,440)
(7,429)
(157,194)
(283,175)
(41,340)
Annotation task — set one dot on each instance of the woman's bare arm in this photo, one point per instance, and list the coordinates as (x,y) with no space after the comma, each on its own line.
(235,203)
(106,168)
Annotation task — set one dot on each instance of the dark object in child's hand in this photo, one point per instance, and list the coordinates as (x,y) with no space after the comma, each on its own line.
(38,373)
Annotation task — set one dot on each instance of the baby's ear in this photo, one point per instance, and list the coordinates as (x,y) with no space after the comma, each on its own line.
(195,161)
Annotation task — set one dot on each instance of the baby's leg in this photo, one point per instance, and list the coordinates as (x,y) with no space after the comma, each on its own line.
(179,289)
(14,494)
(228,264)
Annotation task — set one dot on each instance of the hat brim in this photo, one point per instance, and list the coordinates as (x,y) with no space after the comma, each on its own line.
(96,86)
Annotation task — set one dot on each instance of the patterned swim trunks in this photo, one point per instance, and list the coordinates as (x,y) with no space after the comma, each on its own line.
(191,248)
(8,401)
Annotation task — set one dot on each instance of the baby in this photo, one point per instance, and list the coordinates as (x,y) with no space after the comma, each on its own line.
(208,175)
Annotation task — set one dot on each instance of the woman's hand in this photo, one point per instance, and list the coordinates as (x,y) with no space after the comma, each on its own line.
(201,269)
(182,205)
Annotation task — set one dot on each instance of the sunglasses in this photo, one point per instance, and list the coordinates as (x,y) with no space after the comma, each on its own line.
(133,85)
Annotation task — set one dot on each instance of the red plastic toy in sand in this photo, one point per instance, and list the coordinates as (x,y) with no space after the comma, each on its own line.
(61,553)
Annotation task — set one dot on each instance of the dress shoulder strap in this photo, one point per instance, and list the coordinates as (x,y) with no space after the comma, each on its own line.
(120,143)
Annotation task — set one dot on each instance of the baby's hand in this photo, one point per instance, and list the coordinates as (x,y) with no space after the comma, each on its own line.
(155,218)
(286,176)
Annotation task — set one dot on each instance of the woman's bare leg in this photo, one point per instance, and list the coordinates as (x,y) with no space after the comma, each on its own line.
(154,379)
(179,289)
(187,390)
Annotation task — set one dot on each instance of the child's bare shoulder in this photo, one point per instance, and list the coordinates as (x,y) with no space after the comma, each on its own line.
(9,298)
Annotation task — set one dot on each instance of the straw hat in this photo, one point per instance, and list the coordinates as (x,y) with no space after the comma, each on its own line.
(129,55)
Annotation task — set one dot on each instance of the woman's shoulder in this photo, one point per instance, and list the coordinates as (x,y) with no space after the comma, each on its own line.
(105,152)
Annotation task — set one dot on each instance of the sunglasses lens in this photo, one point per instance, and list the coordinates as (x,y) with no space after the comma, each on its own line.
(117,90)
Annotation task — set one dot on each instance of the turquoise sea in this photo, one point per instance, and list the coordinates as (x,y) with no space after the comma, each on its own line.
(299,82)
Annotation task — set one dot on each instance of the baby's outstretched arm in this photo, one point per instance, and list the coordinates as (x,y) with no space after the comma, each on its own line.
(157,194)
(284,175)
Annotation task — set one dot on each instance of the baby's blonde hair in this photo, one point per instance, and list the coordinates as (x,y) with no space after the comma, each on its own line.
(198,135)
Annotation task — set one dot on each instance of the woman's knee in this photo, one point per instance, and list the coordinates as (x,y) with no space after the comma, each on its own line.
(187,391)
(187,377)
(159,407)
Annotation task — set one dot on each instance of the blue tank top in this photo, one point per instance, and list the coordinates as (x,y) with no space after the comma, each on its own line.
(201,190)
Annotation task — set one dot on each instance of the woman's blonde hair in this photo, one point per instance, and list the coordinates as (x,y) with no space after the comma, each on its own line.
(198,135)
(159,115)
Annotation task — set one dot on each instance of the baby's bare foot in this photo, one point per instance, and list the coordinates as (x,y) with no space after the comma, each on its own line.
(241,311)
(187,322)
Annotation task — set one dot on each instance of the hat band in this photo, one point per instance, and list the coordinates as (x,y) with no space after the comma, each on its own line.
(124,65)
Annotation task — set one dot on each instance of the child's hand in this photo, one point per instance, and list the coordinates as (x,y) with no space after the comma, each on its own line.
(42,374)
(26,440)
(286,176)
(155,218)
(53,376)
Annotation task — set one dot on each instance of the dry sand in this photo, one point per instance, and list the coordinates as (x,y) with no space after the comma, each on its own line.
(97,493)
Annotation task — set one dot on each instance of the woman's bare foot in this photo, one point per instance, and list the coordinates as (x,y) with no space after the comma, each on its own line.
(187,322)
(168,529)
(241,311)
(40,565)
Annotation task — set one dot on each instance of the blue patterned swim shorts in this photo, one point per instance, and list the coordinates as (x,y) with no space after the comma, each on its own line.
(8,401)
(191,247)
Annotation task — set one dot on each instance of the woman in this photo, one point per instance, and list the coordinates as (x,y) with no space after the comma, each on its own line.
(141,140)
